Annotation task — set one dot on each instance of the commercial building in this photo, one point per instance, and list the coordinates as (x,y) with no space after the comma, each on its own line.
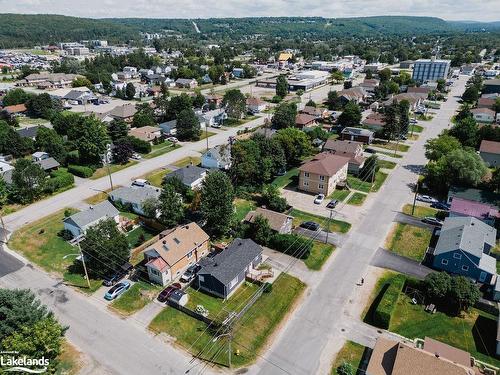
(430,69)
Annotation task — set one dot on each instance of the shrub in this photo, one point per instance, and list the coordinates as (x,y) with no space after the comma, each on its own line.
(80,170)
(139,145)
(291,244)
(268,288)
(73,157)
(276,99)
(383,312)
(59,179)
(67,212)
(65,234)
(344,369)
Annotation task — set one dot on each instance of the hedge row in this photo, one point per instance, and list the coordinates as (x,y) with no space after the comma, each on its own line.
(385,308)
(293,244)
(58,180)
(80,171)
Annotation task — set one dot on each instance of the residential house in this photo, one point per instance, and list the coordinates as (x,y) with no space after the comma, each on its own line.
(45,161)
(351,149)
(6,170)
(354,94)
(374,121)
(490,153)
(78,223)
(134,197)
(486,103)
(154,79)
(463,247)
(319,113)
(279,222)
(218,157)
(303,120)
(266,131)
(491,86)
(80,97)
(322,173)
(175,250)
(238,73)
(369,85)
(48,80)
(192,176)
(146,72)
(390,357)
(12,111)
(146,133)
(168,127)
(256,105)
(123,112)
(188,83)
(28,132)
(213,117)
(415,99)
(476,195)
(222,274)
(357,134)
(484,115)
(214,100)
(482,211)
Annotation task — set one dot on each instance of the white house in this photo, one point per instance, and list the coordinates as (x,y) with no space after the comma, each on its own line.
(256,105)
(218,157)
(192,176)
(78,223)
(484,115)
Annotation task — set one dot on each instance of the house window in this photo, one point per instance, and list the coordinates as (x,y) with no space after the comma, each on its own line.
(306,174)
(457,256)
(322,178)
(233,283)
(320,186)
(306,183)
(465,268)
(201,278)
(444,262)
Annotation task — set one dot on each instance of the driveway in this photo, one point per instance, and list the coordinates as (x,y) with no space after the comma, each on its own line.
(412,220)
(387,259)
(145,315)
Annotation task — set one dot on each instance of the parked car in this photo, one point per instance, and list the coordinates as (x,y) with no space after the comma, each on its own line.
(216,126)
(190,273)
(319,198)
(117,290)
(172,139)
(370,150)
(310,225)
(426,199)
(332,204)
(113,277)
(140,182)
(432,220)
(441,206)
(413,121)
(136,156)
(165,293)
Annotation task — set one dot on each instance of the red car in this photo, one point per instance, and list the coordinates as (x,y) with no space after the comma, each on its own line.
(165,293)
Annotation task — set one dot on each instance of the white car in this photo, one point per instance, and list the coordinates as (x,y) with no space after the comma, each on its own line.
(172,139)
(319,198)
(136,156)
(426,199)
(216,126)
(140,182)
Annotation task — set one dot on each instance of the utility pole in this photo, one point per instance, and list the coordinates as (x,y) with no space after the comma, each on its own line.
(109,174)
(84,265)
(328,226)
(415,199)
(206,134)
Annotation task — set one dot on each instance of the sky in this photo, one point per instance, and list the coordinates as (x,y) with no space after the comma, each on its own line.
(479,10)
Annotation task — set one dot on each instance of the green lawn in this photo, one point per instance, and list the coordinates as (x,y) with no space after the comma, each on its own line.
(195,160)
(350,353)
(251,333)
(424,117)
(160,149)
(385,279)
(134,299)
(242,207)
(103,171)
(401,147)
(234,122)
(206,134)
(420,211)
(386,164)
(357,199)
(339,195)
(475,332)
(366,186)
(99,197)
(70,360)
(416,129)
(320,252)
(156,177)
(40,244)
(139,235)
(391,154)
(287,178)
(409,241)
(335,225)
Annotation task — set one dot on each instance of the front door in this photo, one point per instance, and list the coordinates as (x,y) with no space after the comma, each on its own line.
(482,276)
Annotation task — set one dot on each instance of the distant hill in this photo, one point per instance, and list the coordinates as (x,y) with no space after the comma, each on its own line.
(19,30)
(474,26)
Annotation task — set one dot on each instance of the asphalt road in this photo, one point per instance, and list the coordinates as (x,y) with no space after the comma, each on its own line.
(387,259)
(8,263)
(309,340)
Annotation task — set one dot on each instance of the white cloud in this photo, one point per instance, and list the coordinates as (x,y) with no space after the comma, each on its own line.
(484,10)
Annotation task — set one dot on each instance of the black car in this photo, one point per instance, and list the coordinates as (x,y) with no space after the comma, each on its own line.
(113,277)
(441,206)
(370,150)
(310,225)
(332,204)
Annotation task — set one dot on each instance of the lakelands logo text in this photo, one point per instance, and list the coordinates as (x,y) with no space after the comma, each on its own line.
(11,362)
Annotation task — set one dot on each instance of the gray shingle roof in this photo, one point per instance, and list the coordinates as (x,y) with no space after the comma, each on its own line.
(221,153)
(135,195)
(30,132)
(465,233)
(102,210)
(49,163)
(188,174)
(228,264)
(357,131)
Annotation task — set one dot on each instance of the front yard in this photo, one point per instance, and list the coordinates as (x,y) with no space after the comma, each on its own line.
(335,225)
(409,241)
(155,177)
(251,333)
(357,199)
(40,244)
(320,253)
(420,211)
(339,194)
(160,149)
(184,162)
(287,178)
(366,186)
(103,171)
(393,146)
(351,353)
(134,299)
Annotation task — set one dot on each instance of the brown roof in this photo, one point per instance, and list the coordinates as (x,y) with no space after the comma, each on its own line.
(325,164)
(374,119)
(255,101)
(397,358)
(123,111)
(353,92)
(446,351)
(419,90)
(313,111)
(146,133)
(174,244)
(490,147)
(485,103)
(486,111)
(17,108)
(304,119)
(276,219)
(342,147)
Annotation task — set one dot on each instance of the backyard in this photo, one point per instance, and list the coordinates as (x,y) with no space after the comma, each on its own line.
(251,332)
(242,207)
(335,225)
(40,244)
(134,299)
(409,241)
(287,178)
(139,235)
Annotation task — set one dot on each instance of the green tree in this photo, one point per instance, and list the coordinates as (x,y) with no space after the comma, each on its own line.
(150,207)
(217,196)
(295,144)
(49,141)
(384,75)
(441,85)
(435,148)
(495,180)
(81,82)
(245,162)
(345,369)
(235,103)
(496,106)
(198,100)
(3,198)
(105,248)
(281,86)
(178,104)
(170,207)
(175,181)
(284,115)
(122,151)
(260,231)
(337,76)
(215,73)
(333,101)
(130,91)
(351,115)
(437,285)
(311,103)
(28,181)
(90,138)
(117,129)
(16,96)
(464,292)
(470,95)
(466,132)
(391,129)
(463,113)
(12,143)
(43,106)
(249,71)
(188,126)
(144,116)
(272,199)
